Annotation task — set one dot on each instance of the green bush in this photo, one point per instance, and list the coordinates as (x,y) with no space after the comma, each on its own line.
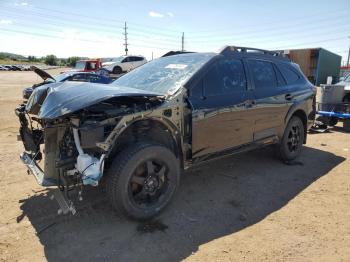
(51,60)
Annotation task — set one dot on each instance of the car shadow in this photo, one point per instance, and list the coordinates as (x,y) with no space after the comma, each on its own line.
(214,200)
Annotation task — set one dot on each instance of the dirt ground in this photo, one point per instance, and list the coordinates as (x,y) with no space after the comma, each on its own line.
(248,207)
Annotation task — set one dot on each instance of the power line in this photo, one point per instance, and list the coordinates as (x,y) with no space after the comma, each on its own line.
(167,39)
(49,36)
(275,30)
(136,38)
(278,21)
(152,41)
(167,29)
(170,42)
(105,18)
(147,46)
(75,39)
(314,42)
(98,21)
(137,35)
(88,20)
(281,37)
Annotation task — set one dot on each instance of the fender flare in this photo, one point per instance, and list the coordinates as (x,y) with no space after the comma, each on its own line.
(300,109)
(174,131)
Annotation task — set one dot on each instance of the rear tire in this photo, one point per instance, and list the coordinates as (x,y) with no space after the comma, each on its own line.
(142,180)
(292,140)
(117,70)
(346,98)
(333,121)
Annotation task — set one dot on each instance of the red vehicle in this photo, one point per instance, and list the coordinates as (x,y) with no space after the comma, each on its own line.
(90,65)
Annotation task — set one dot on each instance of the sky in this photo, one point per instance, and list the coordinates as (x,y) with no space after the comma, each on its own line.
(94,28)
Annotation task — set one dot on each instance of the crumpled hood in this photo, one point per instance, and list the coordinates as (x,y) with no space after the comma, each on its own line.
(44,75)
(68,97)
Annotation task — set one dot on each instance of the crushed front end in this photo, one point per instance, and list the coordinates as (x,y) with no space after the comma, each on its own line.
(65,139)
(62,153)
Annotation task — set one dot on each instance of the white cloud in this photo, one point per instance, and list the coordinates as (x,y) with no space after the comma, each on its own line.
(155,14)
(5,22)
(21,4)
(170,14)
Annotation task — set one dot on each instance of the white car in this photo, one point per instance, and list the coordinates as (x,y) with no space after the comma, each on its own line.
(345,81)
(124,64)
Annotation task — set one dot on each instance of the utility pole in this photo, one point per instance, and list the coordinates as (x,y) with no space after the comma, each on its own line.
(347,64)
(183,42)
(126,39)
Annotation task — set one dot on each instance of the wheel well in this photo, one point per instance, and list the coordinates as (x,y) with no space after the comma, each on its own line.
(301,114)
(147,130)
(346,97)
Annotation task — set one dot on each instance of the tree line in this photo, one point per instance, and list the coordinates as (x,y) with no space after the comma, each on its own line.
(49,59)
(54,61)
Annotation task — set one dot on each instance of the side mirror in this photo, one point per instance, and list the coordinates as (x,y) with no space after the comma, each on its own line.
(342,78)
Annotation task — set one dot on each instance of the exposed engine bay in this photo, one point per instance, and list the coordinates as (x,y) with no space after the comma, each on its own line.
(75,147)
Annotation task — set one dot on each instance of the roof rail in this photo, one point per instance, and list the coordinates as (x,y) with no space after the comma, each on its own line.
(230,49)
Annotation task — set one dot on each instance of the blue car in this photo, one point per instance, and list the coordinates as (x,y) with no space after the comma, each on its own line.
(69,76)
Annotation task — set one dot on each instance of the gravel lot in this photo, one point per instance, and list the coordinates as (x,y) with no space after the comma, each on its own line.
(248,207)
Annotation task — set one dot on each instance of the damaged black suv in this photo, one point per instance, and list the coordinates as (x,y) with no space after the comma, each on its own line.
(136,135)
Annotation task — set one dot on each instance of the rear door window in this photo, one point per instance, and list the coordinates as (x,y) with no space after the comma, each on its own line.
(227,76)
(93,78)
(263,74)
(126,59)
(289,74)
(79,78)
(137,58)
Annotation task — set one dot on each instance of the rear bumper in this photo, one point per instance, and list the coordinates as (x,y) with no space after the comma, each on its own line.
(36,171)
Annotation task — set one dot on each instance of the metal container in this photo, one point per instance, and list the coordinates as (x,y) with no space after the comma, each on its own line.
(330,94)
(316,63)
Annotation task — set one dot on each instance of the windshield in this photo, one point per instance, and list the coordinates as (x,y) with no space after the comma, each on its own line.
(165,75)
(117,59)
(80,65)
(61,77)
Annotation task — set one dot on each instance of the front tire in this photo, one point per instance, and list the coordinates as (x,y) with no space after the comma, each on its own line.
(142,180)
(292,140)
(117,70)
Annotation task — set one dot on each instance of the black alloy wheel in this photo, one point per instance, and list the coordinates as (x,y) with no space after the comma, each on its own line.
(292,140)
(148,183)
(142,180)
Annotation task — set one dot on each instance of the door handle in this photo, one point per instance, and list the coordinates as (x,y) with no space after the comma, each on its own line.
(288,97)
